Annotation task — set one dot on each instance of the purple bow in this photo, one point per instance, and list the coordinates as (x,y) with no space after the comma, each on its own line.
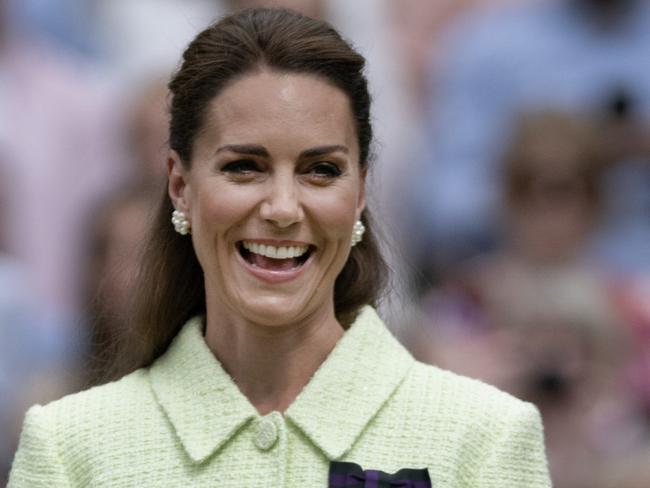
(351,475)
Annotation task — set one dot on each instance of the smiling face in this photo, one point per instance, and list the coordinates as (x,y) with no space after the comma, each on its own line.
(272,193)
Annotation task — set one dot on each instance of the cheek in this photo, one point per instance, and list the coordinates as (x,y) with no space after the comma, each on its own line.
(335,213)
(218,211)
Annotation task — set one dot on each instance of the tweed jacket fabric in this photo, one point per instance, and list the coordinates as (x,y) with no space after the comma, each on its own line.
(183,422)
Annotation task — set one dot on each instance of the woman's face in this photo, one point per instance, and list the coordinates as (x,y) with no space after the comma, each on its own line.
(273,192)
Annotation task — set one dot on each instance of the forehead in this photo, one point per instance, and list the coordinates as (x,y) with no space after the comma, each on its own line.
(269,107)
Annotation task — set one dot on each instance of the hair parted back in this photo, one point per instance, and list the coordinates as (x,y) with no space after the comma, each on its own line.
(170,288)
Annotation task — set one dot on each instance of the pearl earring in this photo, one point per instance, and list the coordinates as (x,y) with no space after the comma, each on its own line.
(357,232)
(181,224)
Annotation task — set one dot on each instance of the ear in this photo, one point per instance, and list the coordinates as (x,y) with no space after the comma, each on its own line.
(178,185)
(361,201)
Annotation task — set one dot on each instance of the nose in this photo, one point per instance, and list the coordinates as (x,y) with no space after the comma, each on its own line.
(282,204)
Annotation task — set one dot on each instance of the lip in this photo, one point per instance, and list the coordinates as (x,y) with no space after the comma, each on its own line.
(271,276)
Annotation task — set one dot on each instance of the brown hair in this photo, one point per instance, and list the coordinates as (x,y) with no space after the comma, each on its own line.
(171,286)
(553,146)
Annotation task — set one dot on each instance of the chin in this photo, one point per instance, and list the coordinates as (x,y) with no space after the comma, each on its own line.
(274,311)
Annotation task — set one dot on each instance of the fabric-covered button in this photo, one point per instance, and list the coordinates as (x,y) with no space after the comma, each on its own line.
(266,435)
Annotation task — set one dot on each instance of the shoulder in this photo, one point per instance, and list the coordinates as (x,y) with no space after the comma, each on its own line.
(487,433)
(74,435)
(124,396)
(495,437)
(465,411)
(453,389)
(111,411)
(463,401)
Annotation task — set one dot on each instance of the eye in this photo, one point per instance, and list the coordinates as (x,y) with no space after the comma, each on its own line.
(325,169)
(241,167)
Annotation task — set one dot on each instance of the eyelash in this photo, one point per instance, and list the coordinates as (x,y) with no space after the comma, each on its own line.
(241,166)
(331,170)
(323,170)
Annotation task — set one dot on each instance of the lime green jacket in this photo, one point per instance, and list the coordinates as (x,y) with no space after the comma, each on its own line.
(183,422)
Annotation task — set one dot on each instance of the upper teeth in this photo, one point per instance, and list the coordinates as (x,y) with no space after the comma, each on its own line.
(274,252)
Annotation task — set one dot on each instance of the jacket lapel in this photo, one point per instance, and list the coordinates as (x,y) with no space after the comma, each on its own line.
(201,401)
(347,391)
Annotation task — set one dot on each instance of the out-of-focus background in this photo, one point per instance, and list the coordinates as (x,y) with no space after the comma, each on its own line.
(512,183)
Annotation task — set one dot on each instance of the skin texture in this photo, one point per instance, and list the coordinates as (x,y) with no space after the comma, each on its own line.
(250,179)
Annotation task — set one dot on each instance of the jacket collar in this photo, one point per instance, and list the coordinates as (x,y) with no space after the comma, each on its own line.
(200,399)
(206,408)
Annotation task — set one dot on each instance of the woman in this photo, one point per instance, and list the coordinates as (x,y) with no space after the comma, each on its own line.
(279,372)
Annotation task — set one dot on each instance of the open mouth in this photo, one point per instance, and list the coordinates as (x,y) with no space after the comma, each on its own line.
(274,258)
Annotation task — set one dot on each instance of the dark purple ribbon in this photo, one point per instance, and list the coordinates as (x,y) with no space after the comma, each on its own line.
(351,475)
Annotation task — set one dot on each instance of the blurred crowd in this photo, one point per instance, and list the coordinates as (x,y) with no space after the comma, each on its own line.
(511,180)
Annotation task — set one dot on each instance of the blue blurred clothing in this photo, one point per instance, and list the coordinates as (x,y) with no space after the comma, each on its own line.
(547,54)
(71,24)
(32,347)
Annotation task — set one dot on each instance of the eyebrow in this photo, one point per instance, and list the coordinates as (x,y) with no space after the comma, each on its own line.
(252,149)
(257,150)
(314,152)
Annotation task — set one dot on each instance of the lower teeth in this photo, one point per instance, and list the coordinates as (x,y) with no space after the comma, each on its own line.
(274,264)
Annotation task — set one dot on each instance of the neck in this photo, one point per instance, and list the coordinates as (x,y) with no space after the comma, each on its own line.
(271,364)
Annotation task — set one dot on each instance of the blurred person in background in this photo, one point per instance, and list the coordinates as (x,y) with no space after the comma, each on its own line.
(144,38)
(633,302)
(582,56)
(623,238)
(146,133)
(51,153)
(312,8)
(537,318)
(59,135)
(119,225)
(632,472)
(418,29)
(70,25)
(35,355)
